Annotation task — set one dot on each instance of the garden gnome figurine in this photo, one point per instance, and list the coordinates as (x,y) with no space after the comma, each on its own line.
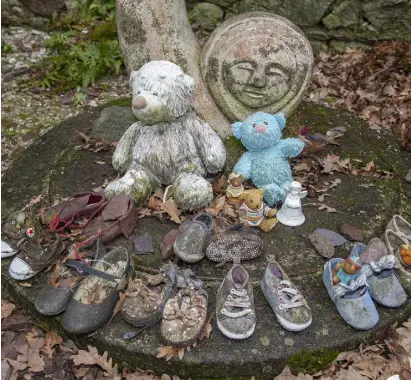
(291,213)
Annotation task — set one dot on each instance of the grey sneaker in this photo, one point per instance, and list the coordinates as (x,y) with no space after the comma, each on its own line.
(353,301)
(235,305)
(394,243)
(190,245)
(286,300)
(385,287)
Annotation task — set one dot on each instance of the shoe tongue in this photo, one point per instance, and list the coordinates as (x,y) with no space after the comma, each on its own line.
(238,276)
(275,270)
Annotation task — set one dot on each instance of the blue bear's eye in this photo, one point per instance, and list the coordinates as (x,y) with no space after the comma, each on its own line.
(266,122)
(254,125)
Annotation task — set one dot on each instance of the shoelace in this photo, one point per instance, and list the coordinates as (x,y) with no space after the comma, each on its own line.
(237,299)
(289,297)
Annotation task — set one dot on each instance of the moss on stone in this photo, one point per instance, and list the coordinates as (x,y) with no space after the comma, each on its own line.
(121,102)
(311,362)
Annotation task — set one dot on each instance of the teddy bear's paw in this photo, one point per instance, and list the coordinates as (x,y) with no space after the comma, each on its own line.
(273,194)
(130,184)
(192,192)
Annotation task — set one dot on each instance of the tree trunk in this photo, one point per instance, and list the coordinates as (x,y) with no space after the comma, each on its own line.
(159,30)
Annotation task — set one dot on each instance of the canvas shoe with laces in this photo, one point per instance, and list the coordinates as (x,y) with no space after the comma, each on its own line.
(235,310)
(286,300)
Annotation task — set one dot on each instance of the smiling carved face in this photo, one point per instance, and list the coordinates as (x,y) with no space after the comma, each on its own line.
(263,79)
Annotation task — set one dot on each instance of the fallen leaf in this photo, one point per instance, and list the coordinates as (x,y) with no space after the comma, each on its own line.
(172,210)
(181,353)
(216,206)
(51,340)
(206,332)
(119,304)
(25,284)
(168,352)
(229,211)
(217,187)
(6,309)
(35,200)
(92,357)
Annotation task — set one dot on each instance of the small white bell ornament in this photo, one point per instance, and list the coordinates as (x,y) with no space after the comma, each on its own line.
(291,213)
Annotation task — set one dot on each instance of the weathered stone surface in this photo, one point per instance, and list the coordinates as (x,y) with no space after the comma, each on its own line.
(62,170)
(257,62)
(44,8)
(119,118)
(207,16)
(13,12)
(303,13)
(345,15)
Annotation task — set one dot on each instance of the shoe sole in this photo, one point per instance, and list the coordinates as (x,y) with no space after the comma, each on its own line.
(232,335)
(283,322)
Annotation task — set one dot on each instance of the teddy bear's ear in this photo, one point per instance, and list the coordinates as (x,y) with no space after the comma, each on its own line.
(280,119)
(237,126)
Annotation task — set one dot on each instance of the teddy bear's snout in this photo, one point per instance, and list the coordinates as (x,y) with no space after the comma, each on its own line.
(139,102)
(260,128)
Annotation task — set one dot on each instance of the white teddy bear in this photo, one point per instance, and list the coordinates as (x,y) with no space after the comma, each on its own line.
(169,144)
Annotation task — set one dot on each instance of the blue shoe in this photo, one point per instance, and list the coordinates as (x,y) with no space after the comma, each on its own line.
(353,301)
(378,267)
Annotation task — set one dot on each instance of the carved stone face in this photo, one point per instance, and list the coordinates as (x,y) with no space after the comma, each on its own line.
(263,79)
(257,62)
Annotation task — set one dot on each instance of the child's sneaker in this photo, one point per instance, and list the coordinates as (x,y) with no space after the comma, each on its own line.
(286,300)
(235,305)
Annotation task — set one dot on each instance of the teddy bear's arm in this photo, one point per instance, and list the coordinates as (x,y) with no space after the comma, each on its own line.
(209,145)
(243,166)
(290,147)
(123,154)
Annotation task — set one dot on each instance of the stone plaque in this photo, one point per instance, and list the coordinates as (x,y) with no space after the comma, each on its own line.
(257,61)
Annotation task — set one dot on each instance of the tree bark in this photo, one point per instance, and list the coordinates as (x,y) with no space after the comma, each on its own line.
(159,30)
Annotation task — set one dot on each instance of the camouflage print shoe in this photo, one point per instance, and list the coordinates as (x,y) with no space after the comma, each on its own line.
(184,317)
(235,305)
(286,300)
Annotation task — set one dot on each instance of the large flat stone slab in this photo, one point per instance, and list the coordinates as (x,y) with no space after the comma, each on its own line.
(52,167)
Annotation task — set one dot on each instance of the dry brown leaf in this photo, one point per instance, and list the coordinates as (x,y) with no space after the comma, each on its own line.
(216,206)
(119,304)
(172,210)
(229,211)
(51,340)
(17,365)
(25,284)
(181,353)
(6,308)
(221,182)
(92,357)
(167,351)
(80,372)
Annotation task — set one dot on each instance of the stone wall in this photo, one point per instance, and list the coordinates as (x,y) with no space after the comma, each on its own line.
(335,23)
(35,13)
(325,22)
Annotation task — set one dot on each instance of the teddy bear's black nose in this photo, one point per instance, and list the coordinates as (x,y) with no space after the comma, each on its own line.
(139,102)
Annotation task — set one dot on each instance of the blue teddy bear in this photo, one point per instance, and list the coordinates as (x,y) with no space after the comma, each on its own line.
(266,163)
